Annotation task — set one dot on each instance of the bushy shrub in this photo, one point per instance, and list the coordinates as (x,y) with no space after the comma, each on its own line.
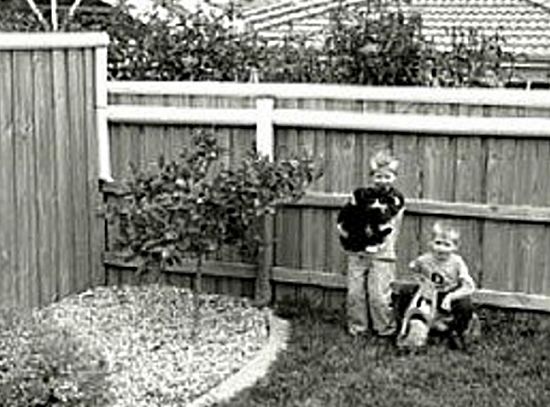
(182,46)
(473,60)
(379,48)
(44,365)
(387,47)
(14,18)
(381,45)
(195,205)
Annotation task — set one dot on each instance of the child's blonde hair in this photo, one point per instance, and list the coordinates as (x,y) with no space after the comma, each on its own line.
(383,160)
(446,231)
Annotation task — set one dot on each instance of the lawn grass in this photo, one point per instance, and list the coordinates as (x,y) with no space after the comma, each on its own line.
(324,366)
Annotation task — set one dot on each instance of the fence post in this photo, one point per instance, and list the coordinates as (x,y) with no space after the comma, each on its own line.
(101,114)
(264,126)
(265,145)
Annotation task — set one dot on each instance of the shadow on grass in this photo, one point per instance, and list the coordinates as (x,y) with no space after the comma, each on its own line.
(324,366)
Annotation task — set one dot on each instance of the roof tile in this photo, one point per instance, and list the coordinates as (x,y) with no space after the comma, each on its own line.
(525,24)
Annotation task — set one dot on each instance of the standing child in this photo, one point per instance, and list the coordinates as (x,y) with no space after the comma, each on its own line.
(448,271)
(378,260)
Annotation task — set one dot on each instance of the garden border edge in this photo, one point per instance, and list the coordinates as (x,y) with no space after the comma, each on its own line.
(254,370)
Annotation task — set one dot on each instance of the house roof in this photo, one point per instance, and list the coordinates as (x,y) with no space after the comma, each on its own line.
(525,24)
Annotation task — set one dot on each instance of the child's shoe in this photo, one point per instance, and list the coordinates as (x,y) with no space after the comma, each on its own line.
(456,341)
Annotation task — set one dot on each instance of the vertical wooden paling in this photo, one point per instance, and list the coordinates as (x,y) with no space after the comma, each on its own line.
(438,158)
(512,242)
(139,139)
(45,182)
(287,244)
(9,289)
(498,238)
(540,159)
(528,192)
(5,271)
(168,149)
(114,149)
(323,214)
(78,163)
(519,261)
(129,148)
(94,71)
(101,102)
(312,238)
(511,238)
(24,134)
(438,171)
(32,182)
(469,175)
(339,177)
(542,279)
(541,282)
(409,182)
(65,242)
(493,231)
(154,138)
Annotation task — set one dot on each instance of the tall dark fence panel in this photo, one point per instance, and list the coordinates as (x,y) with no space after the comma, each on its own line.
(51,238)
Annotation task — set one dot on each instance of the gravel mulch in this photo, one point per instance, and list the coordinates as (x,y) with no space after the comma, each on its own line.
(144,332)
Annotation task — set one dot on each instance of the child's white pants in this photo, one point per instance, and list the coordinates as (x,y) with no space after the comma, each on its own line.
(380,274)
(357,312)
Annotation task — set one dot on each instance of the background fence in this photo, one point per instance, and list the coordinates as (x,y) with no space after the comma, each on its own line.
(51,239)
(478,157)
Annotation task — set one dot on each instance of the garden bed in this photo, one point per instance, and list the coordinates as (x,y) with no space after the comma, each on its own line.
(144,335)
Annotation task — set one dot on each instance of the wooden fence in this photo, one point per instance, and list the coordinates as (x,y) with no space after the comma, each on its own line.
(478,157)
(51,239)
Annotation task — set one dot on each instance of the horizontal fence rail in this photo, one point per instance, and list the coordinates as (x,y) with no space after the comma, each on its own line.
(403,94)
(312,279)
(180,115)
(477,157)
(49,41)
(504,213)
(444,125)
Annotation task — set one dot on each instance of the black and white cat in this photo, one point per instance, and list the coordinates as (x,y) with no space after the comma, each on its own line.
(364,221)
